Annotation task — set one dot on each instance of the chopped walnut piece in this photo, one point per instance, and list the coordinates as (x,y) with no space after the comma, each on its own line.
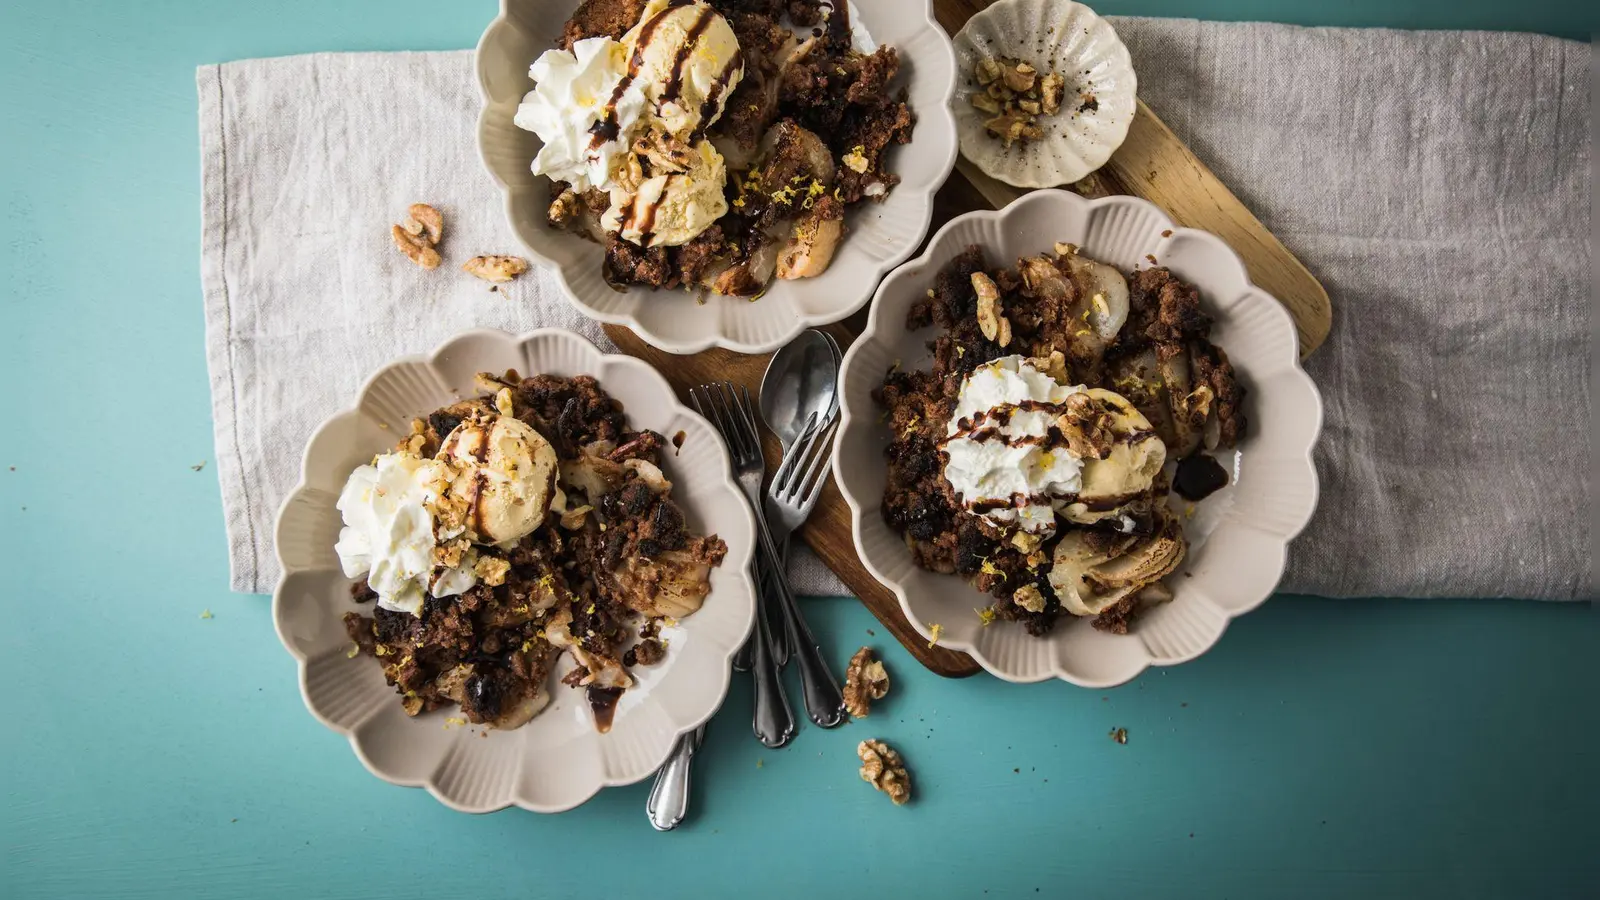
(1120,735)
(1051,90)
(424,221)
(1029,598)
(491,570)
(882,768)
(1012,127)
(1014,95)
(1054,365)
(994,326)
(415,247)
(864,681)
(986,103)
(1087,427)
(1018,76)
(496,269)
(1026,541)
(563,211)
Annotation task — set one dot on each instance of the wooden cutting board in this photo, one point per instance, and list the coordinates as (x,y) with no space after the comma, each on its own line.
(1152,163)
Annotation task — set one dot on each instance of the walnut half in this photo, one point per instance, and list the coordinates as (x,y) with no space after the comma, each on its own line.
(994,326)
(882,768)
(419,234)
(864,681)
(496,269)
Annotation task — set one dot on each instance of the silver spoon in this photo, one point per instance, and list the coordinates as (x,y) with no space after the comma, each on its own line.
(802,378)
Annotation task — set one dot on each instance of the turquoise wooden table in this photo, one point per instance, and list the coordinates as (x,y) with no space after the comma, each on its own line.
(1322,749)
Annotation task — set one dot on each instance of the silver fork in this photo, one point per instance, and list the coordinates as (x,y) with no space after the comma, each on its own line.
(794,491)
(799,480)
(824,702)
(728,408)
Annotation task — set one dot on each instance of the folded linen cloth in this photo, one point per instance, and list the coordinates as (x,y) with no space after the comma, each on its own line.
(1435,181)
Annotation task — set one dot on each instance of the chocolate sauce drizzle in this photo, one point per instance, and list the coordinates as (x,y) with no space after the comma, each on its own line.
(607,128)
(985,425)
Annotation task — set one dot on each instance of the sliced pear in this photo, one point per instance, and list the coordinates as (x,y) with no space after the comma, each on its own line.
(1090,575)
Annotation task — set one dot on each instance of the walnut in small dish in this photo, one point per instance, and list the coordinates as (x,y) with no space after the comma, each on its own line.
(1015,95)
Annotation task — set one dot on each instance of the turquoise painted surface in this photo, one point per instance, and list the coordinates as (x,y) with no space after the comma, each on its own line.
(1323,749)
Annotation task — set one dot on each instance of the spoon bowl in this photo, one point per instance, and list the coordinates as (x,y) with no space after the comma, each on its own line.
(802,379)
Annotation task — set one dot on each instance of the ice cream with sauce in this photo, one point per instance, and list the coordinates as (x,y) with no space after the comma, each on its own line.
(629,117)
(687,61)
(1022,447)
(671,208)
(411,523)
(506,476)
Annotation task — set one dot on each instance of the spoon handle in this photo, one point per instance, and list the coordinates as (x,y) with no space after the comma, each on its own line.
(824,701)
(669,798)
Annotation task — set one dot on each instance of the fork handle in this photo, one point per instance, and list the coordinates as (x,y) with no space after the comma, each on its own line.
(824,701)
(773,720)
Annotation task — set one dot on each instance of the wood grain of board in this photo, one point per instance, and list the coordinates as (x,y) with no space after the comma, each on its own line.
(1152,163)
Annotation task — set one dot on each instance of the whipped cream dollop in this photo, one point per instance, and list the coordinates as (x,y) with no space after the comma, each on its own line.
(585,108)
(391,532)
(999,453)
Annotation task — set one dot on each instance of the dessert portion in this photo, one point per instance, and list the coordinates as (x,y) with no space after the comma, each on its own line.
(707,145)
(508,529)
(1036,456)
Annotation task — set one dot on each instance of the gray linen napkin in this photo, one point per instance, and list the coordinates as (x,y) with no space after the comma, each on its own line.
(1436,183)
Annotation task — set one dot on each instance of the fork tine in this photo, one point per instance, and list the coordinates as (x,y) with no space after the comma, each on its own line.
(805,462)
(694,401)
(817,474)
(739,414)
(791,460)
(708,399)
(748,409)
(717,390)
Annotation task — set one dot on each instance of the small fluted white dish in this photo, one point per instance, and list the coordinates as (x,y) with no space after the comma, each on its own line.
(1052,35)
(558,760)
(1238,537)
(880,235)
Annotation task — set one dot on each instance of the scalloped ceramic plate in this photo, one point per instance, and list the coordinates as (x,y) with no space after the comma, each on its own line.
(558,760)
(1068,38)
(1238,536)
(881,234)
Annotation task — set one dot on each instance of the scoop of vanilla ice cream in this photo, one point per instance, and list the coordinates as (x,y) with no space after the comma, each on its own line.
(574,93)
(998,455)
(506,477)
(689,62)
(671,209)
(389,531)
(1128,470)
